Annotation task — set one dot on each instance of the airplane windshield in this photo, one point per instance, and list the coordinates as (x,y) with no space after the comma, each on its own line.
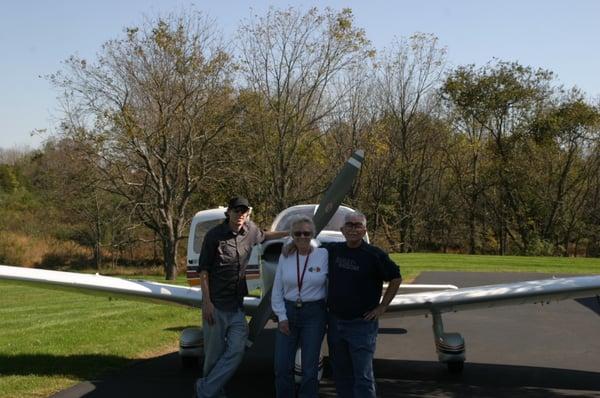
(282,222)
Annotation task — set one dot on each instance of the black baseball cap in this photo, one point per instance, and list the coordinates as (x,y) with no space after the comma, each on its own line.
(238,201)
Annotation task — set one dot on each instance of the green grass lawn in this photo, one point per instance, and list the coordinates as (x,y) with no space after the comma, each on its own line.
(52,339)
(414,263)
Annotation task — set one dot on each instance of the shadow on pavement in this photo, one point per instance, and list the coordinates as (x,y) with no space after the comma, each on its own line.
(592,303)
(162,376)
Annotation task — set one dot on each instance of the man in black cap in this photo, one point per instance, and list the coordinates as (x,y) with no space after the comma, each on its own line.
(225,253)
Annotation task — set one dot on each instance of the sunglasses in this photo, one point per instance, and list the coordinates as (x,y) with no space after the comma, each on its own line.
(241,209)
(298,234)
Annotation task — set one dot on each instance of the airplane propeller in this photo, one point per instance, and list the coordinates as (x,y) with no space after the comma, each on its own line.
(329,204)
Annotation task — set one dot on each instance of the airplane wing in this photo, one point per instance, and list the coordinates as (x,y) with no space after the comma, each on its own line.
(451,300)
(113,287)
(538,291)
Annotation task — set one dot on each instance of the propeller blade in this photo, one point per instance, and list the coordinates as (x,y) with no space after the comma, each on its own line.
(329,204)
(260,318)
(338,190)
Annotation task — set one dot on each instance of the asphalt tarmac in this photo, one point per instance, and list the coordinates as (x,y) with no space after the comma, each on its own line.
(521,351)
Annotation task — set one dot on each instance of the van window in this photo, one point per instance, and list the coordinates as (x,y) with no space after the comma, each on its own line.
(200,231)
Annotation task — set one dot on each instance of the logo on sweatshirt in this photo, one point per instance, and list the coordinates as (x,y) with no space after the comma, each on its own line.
(347,263)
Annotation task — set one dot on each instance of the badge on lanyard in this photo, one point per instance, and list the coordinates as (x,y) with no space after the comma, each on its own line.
(299,278)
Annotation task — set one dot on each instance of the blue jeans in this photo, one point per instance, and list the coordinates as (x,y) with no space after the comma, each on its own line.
(351,349)
(224,344)
(307,329)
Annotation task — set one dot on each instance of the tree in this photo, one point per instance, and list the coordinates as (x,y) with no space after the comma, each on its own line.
(350,125)
(8,179)
(468,158)
(289,60)
(150,114)
(405,134)
(95,217)
(566,135)
(503,99)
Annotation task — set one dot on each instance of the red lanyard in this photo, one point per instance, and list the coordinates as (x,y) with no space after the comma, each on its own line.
(298,277)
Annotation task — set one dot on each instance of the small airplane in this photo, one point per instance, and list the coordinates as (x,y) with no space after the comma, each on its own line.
(428,300)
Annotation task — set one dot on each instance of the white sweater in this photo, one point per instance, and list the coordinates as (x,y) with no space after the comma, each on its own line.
(285,286)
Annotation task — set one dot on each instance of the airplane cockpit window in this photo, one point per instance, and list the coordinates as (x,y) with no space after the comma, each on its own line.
(201,229)
(282,222)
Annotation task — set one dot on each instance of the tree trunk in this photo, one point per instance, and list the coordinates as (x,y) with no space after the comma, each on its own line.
(98,234)
(97,255)
(170,258)
(472,229)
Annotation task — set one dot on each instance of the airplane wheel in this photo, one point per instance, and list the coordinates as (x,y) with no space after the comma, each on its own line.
(456,367)
(189,362)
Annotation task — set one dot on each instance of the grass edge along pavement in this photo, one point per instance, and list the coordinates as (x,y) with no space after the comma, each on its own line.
(411,264)
(51,339)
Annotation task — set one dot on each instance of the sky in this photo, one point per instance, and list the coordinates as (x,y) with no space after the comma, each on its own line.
(36,36)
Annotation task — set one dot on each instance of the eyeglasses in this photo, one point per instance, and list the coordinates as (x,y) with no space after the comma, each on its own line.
(354,225)
(298,234)
(241,209)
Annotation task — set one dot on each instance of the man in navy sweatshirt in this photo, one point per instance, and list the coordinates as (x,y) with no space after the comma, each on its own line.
(357,271)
